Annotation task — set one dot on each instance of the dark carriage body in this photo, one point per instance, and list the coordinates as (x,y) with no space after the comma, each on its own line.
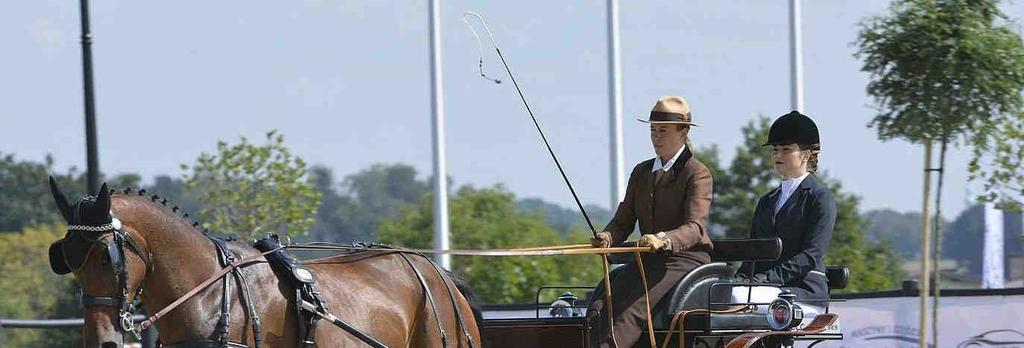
(710,287)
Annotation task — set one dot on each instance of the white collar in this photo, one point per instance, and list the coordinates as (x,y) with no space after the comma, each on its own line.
(792,183)
(667,165)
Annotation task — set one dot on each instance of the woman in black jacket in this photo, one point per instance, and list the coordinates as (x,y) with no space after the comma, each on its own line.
(801,212)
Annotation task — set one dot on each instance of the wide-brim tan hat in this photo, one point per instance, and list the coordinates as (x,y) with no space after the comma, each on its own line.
(670,110)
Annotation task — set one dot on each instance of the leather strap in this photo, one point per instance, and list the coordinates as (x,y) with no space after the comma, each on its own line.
(451,296)
(214,277)
(430,299)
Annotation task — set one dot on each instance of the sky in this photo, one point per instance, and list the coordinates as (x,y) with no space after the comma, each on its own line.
(348,84)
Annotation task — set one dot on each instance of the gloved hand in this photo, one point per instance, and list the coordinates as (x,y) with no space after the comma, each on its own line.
(603,240)
(656,242)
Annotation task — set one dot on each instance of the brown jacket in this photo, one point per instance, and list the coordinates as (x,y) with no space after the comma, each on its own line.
(678,205)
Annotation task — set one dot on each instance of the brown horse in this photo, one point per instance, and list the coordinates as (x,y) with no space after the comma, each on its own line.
(120,246)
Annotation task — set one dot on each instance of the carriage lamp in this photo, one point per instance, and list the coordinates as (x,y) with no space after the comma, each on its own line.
(783,314)
(565,306)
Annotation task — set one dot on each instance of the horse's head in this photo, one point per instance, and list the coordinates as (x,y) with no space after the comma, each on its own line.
(107,261)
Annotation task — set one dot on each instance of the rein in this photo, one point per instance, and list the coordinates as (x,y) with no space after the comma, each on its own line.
(573,249)
(214,277)
(578,249)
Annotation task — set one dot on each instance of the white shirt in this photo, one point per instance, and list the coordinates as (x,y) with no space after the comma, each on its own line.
(667,165)
(787,188)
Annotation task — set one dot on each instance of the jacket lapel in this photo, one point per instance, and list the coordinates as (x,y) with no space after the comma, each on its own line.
(797,196)
(677,167)
(773,199)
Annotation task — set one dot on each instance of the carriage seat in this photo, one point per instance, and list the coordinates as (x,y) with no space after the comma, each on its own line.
(692,291)
(695,289)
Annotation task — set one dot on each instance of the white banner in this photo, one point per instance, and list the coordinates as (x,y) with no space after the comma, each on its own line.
(964,321)
(992,264)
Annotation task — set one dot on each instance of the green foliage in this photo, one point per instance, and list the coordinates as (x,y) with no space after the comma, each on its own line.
(951,69)
(26,196)
(738,187)
(487,219)
(174,190)
(999,162)
(30,288)
(901,230)
(964,240)
(253,190)
(564,220)
(873,266)
(353,212)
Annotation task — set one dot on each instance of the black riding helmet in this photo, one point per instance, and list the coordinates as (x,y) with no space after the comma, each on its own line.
(793,128)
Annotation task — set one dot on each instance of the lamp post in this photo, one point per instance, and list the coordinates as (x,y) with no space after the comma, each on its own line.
(91,156)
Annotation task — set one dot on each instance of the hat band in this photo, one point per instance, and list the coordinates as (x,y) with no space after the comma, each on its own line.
(658,116)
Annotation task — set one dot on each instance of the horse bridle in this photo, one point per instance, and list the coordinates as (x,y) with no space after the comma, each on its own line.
(115,247)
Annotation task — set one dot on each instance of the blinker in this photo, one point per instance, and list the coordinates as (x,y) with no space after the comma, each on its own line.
(57,262)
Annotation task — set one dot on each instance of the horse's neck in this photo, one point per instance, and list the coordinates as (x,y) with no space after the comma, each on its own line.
(181,257)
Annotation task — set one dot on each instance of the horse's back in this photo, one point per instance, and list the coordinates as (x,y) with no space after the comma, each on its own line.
(381,290)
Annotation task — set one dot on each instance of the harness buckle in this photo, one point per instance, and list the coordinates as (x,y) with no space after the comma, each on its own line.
(128,325)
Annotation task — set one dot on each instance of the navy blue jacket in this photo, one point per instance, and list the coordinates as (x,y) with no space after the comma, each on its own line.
(804,223)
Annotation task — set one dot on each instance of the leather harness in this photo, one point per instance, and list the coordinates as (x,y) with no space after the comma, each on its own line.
(310,306)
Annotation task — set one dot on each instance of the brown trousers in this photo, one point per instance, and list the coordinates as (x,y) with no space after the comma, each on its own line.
(628,303)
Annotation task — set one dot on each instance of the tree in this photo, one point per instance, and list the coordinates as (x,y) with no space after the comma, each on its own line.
(965,239)
(26,196)
(739,186)
(901,230)
(486,219)
(175,191)
(944,70)
(565,220)
(29,288)
(352,210)
(253,190)
(1000,168)
(873,266)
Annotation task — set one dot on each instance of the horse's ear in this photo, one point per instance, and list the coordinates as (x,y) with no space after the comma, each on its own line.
(103,198)
(62,202)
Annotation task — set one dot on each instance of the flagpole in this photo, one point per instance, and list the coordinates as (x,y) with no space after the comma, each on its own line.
(618,188)
(437,109)
(796,59)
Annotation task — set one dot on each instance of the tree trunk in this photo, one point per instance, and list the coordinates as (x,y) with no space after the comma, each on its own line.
(925,250)
(938,242)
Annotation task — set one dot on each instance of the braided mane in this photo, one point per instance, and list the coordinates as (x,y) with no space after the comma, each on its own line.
(175,210)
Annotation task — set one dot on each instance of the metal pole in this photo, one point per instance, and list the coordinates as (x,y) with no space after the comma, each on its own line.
(796,59)
(437,108)
(926,239)
(91,156)
(618,183)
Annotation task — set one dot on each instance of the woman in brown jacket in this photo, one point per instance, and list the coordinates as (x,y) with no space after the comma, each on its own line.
(670,196)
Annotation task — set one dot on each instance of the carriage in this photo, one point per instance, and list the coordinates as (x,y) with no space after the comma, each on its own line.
(709,306)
